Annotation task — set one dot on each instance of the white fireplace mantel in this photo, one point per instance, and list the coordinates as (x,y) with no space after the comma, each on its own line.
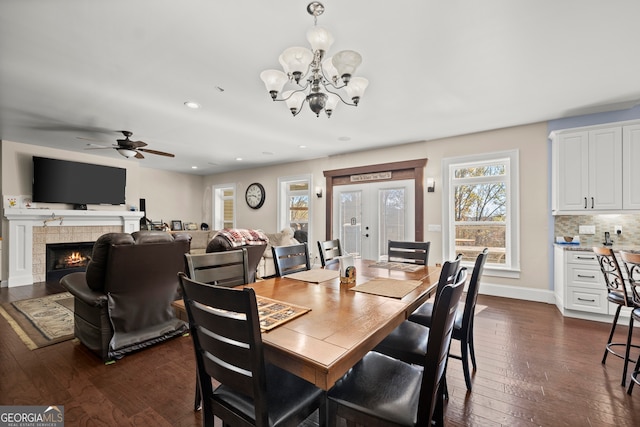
(20,236)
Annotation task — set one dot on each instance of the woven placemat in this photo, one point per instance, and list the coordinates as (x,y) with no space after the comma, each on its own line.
(401,266)
(315,275)
(274,313)
(393,288)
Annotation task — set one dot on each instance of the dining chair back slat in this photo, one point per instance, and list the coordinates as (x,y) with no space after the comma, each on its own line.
(329,251)
(411,252)
(219,268)
(291,259)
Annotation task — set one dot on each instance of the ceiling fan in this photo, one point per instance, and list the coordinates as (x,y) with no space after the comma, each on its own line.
(128,148)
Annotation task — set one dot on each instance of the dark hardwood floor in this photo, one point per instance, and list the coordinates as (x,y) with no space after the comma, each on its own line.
(535,368)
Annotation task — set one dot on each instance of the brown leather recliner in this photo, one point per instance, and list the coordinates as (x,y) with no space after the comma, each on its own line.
(123,301)
(221,243)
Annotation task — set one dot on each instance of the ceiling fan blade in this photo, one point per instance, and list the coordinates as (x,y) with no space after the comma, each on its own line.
(138,144)
(160,153)
(89,139)
(97,147)
(139,155)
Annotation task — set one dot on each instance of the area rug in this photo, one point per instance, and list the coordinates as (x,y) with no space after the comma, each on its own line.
(43,321)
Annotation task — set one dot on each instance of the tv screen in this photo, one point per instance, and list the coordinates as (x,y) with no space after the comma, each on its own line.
(62,181)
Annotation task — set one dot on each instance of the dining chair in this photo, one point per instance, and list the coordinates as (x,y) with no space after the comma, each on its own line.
(291,259)
(618,294)
(450,270)
(380,390)
(413,252)
(329,251)
(219,268)
(408,341)
(463,325)
(631,263)
(225,329)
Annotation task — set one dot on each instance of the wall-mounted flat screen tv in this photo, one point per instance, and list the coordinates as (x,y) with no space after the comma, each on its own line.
(62,181)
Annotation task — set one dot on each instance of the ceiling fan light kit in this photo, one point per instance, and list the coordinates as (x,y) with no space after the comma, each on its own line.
(320,82)
(126,152)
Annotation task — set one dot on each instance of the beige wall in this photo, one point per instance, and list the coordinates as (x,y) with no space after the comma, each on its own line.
(169,195)
(172,196)
(188,197)
(530,140)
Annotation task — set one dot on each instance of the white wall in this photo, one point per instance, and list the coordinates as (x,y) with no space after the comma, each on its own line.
(530,140)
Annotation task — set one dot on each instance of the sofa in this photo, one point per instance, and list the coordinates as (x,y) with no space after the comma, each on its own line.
(199,239)
(122,302)
(285,237)
(254,241)
(264,266)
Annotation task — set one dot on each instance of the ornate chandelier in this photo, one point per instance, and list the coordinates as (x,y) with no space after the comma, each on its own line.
(320,82)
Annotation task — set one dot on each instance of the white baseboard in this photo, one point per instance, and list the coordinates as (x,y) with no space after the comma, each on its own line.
(516,292)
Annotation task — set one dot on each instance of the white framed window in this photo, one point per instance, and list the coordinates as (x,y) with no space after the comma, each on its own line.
(224,206)
(294,205)
(480,209)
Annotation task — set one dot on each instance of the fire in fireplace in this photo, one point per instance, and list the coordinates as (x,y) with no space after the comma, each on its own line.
(65,258)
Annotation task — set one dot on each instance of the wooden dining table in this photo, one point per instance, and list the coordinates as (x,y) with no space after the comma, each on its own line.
(342,325)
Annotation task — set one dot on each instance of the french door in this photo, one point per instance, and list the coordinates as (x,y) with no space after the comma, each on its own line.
(366,216)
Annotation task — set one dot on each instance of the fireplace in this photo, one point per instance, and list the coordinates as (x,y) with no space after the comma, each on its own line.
(65,258)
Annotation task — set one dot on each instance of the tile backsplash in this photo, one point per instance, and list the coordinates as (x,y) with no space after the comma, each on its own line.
(567,225)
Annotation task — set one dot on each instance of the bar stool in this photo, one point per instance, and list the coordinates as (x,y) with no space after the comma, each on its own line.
(631,263)
(617,293)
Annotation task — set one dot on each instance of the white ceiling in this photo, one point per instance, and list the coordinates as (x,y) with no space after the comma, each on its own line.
(78,68)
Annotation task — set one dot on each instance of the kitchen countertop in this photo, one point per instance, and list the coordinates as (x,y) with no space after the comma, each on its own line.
(589,248)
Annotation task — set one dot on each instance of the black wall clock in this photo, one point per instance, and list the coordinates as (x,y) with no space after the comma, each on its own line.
(255,195)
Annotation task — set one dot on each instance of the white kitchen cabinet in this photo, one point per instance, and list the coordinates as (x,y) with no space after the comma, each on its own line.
(584,285)
(587,170)
(631,167)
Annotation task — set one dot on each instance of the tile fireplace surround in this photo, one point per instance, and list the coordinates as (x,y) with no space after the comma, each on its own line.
(31,229)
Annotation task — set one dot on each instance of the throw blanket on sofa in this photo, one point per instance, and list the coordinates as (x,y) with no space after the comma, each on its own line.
(240,237)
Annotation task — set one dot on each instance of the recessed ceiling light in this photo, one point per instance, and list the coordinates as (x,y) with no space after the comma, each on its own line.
(302,146)
(267,153)
(239,159)
(344,138)
(194,167)
(192,104)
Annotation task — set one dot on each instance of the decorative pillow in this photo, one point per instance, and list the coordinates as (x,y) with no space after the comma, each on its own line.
(283,238)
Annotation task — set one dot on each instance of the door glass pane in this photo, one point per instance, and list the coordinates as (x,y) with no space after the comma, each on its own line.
(228,213)
(392,217)
(351,222)
(299,212)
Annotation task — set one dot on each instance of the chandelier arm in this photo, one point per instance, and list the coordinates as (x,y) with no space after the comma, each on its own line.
(301,105)
(339,96)
(291,94)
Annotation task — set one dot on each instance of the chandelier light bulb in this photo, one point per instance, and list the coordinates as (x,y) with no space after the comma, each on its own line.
(320,39)
(295,61)
(346,62)
(329,70)
(356,87)
(294,100)
(274,81)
